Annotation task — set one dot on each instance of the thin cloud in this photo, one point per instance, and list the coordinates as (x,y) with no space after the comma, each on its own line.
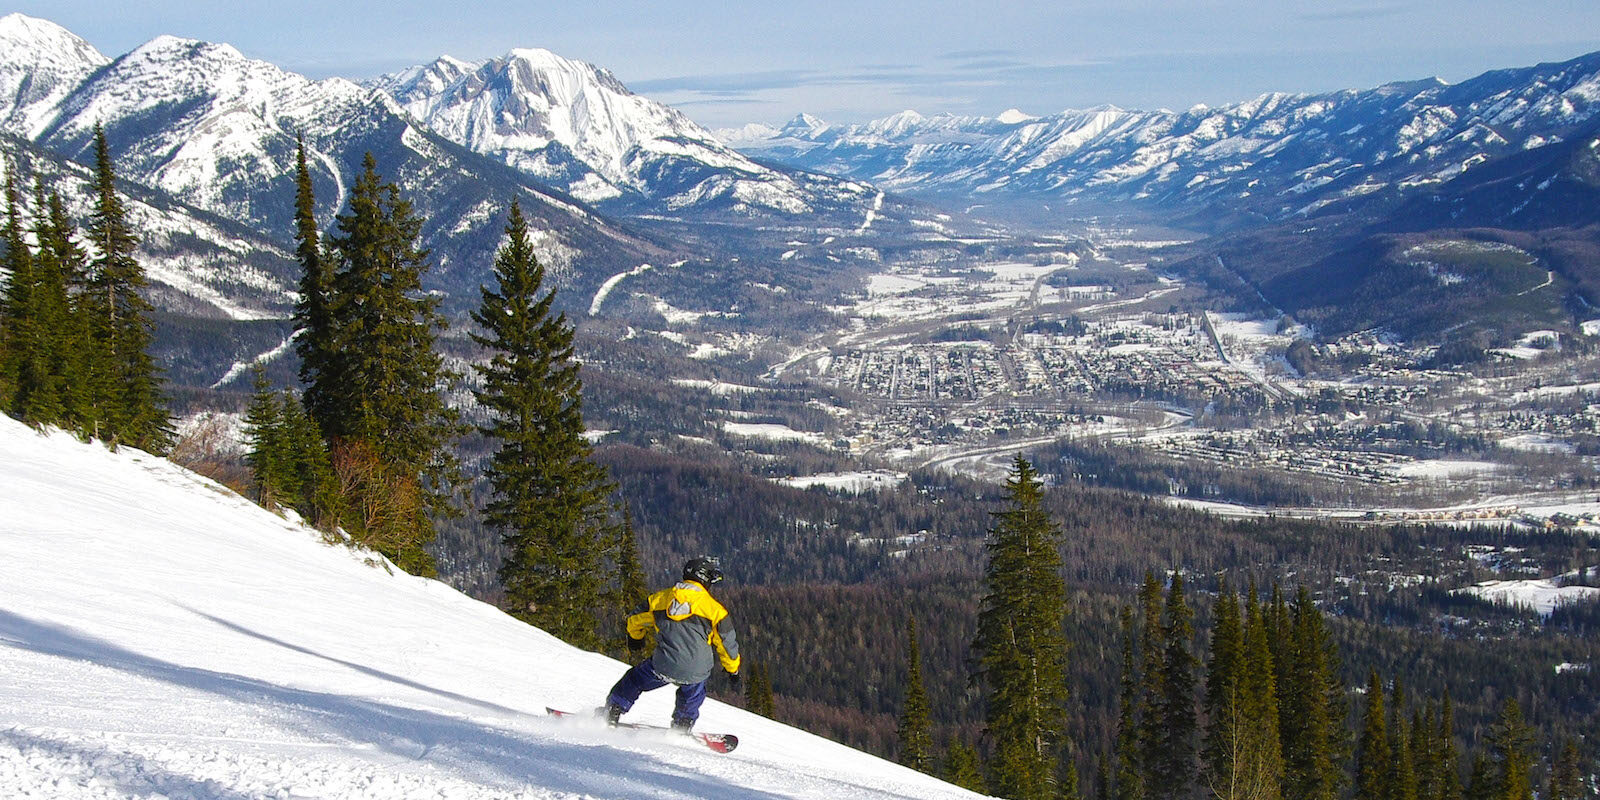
(1356,14)
(732,84)
(965,55)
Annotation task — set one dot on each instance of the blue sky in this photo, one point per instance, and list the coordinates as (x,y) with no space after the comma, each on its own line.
(727,63)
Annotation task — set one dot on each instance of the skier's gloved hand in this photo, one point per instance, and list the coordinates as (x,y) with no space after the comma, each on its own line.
(635,644)
(734,679)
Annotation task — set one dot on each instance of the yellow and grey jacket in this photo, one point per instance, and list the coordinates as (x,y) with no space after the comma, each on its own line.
(693,633)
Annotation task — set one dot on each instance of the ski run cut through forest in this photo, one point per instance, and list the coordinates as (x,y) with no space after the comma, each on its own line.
(161,636)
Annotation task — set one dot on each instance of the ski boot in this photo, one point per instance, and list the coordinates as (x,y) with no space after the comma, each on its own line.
(683,726)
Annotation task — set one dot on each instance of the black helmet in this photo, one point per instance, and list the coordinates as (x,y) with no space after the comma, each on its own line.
(704,570)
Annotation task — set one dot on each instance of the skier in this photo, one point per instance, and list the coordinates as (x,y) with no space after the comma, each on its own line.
(693,634)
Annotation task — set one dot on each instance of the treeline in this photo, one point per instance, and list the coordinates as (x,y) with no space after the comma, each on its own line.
(75,327)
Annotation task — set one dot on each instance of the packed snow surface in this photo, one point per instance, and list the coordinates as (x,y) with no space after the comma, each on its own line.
(162,637)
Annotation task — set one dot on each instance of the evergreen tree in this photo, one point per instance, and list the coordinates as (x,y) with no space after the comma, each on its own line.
(1020,645)
(1402,768)
(386,418)
(1313,732)
(1373,769)
(314,491)
(1150,688)
(1511,743)
(1260,762)
(632,594)
(316,341)
(549,494)
(1481,785)
(915,732)
(1425,762)
(758,691)
(1172,769)
(1566,775)
(74,358)
(1446,753)
(268,457)
(1128,773)
(962,767)
(17,330)
(130,383)
(1219,753)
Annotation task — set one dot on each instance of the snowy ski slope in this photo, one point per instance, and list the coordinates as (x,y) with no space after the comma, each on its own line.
(163,637)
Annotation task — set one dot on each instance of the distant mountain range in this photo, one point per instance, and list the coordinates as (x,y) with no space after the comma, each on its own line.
(610,180)
(1272,157)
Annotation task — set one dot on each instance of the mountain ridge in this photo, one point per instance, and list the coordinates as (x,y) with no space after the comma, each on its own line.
(1277,154)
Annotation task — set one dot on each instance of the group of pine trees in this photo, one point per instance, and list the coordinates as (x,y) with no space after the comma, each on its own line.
(1265,715)
(368,444)
(75,329)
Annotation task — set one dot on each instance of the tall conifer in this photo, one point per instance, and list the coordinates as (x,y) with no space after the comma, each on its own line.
(915,733)
(1373,770)
(1566,774)
(1172,768)
(1020,644)
(1448,755)
(131,384)
(387,421)
(315,342)
(1402,767)
(74,357)
(549,494)
(1128,769)
(1511,745)
(1260,764)
(1220,748)
(1313,733)
(16,326)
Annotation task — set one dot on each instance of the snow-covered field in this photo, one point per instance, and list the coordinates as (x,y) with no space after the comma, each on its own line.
(767,430)
(1542,595)
(163,637)
(1443,468)
(856,482)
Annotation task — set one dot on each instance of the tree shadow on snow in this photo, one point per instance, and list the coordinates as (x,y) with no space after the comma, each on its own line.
(361,668)
(468,750)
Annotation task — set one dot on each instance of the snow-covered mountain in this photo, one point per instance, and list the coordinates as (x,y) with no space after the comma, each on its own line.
(1276,154)
(576,126)
(202,122)
(161,636)
(43,63)
(199,264)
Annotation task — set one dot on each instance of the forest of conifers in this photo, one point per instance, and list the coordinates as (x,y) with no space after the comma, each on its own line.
(821,585)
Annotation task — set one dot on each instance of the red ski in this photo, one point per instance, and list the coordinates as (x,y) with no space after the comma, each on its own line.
(720,742)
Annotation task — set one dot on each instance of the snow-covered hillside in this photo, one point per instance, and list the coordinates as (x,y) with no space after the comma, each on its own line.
(161,636)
